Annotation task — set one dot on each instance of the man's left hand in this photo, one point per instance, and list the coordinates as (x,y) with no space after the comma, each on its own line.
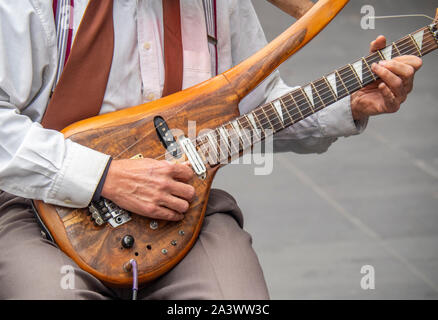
(390,91)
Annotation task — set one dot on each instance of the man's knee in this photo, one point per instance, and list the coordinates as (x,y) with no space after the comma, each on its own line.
(221,265)
(235,263)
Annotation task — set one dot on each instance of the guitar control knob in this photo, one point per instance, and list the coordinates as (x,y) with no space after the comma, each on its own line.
(128,241)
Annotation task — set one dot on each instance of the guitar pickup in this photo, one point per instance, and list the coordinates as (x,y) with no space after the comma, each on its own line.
(193,157)
(166,137)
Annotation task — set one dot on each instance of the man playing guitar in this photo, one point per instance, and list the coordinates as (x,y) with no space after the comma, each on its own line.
(37,163)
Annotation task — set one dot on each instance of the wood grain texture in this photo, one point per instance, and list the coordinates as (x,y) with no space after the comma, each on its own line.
(126,133)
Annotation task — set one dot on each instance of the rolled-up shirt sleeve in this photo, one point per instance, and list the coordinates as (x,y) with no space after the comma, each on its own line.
(37,163)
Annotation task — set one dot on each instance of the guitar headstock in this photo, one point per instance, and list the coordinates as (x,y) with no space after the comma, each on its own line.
(434,26)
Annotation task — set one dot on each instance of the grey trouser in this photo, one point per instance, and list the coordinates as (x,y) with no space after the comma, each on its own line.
(221,265)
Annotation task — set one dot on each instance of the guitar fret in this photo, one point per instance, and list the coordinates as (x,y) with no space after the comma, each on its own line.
(276,107)
(367,75)
(374,58)
(263,119)
(287,111)
(418,37)
(350,80)
(203,150)
(338,76)
(275,115)
(245,133)
(307,93)
(251,121)
(369,69)
(248,128)
(237,130)
(218,152)
(332,81)
(256,118)
(260,127)
(405,46)
(396,49)
(321,105)
(267,118)
(224,139)
(330,89)
(231,134)
(355,74)
(301,100)
(324,92)
(295,105)
(415,44)
(380,54)
(387,52)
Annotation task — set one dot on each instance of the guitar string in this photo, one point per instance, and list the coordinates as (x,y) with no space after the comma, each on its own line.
(350,78)
(326,92)
(400,48)
(236,139)
(413,50)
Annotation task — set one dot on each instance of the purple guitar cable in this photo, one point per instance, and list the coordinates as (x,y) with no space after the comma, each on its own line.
(134,278)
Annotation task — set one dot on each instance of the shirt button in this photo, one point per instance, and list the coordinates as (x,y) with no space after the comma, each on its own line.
(68,201)
(147,45)
(150,97)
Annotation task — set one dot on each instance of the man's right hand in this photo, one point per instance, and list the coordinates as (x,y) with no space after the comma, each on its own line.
(151,188)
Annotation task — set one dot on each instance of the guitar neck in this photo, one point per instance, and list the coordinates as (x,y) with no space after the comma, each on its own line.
(230,139)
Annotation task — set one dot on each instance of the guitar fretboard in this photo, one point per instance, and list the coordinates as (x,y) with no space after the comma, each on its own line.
(229,140)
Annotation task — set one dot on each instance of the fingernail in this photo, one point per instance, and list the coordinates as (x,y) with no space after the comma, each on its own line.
(383,62)
(374,66)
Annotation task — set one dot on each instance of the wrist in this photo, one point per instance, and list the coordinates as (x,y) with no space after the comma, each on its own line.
(356,111)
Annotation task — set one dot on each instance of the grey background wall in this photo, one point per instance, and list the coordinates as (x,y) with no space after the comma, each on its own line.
(371,199)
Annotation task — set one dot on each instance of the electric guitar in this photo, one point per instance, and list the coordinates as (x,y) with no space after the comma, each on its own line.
(103,238)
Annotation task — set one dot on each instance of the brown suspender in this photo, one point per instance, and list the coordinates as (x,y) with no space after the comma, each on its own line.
(81,88)
(173,49)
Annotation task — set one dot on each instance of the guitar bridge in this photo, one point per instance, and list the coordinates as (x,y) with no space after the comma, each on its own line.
(106,211)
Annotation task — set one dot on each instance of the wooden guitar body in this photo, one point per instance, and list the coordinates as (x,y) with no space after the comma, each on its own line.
(126,134)
(131,132)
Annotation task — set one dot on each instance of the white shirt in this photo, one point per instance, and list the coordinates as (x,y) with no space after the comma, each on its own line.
(40,164)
